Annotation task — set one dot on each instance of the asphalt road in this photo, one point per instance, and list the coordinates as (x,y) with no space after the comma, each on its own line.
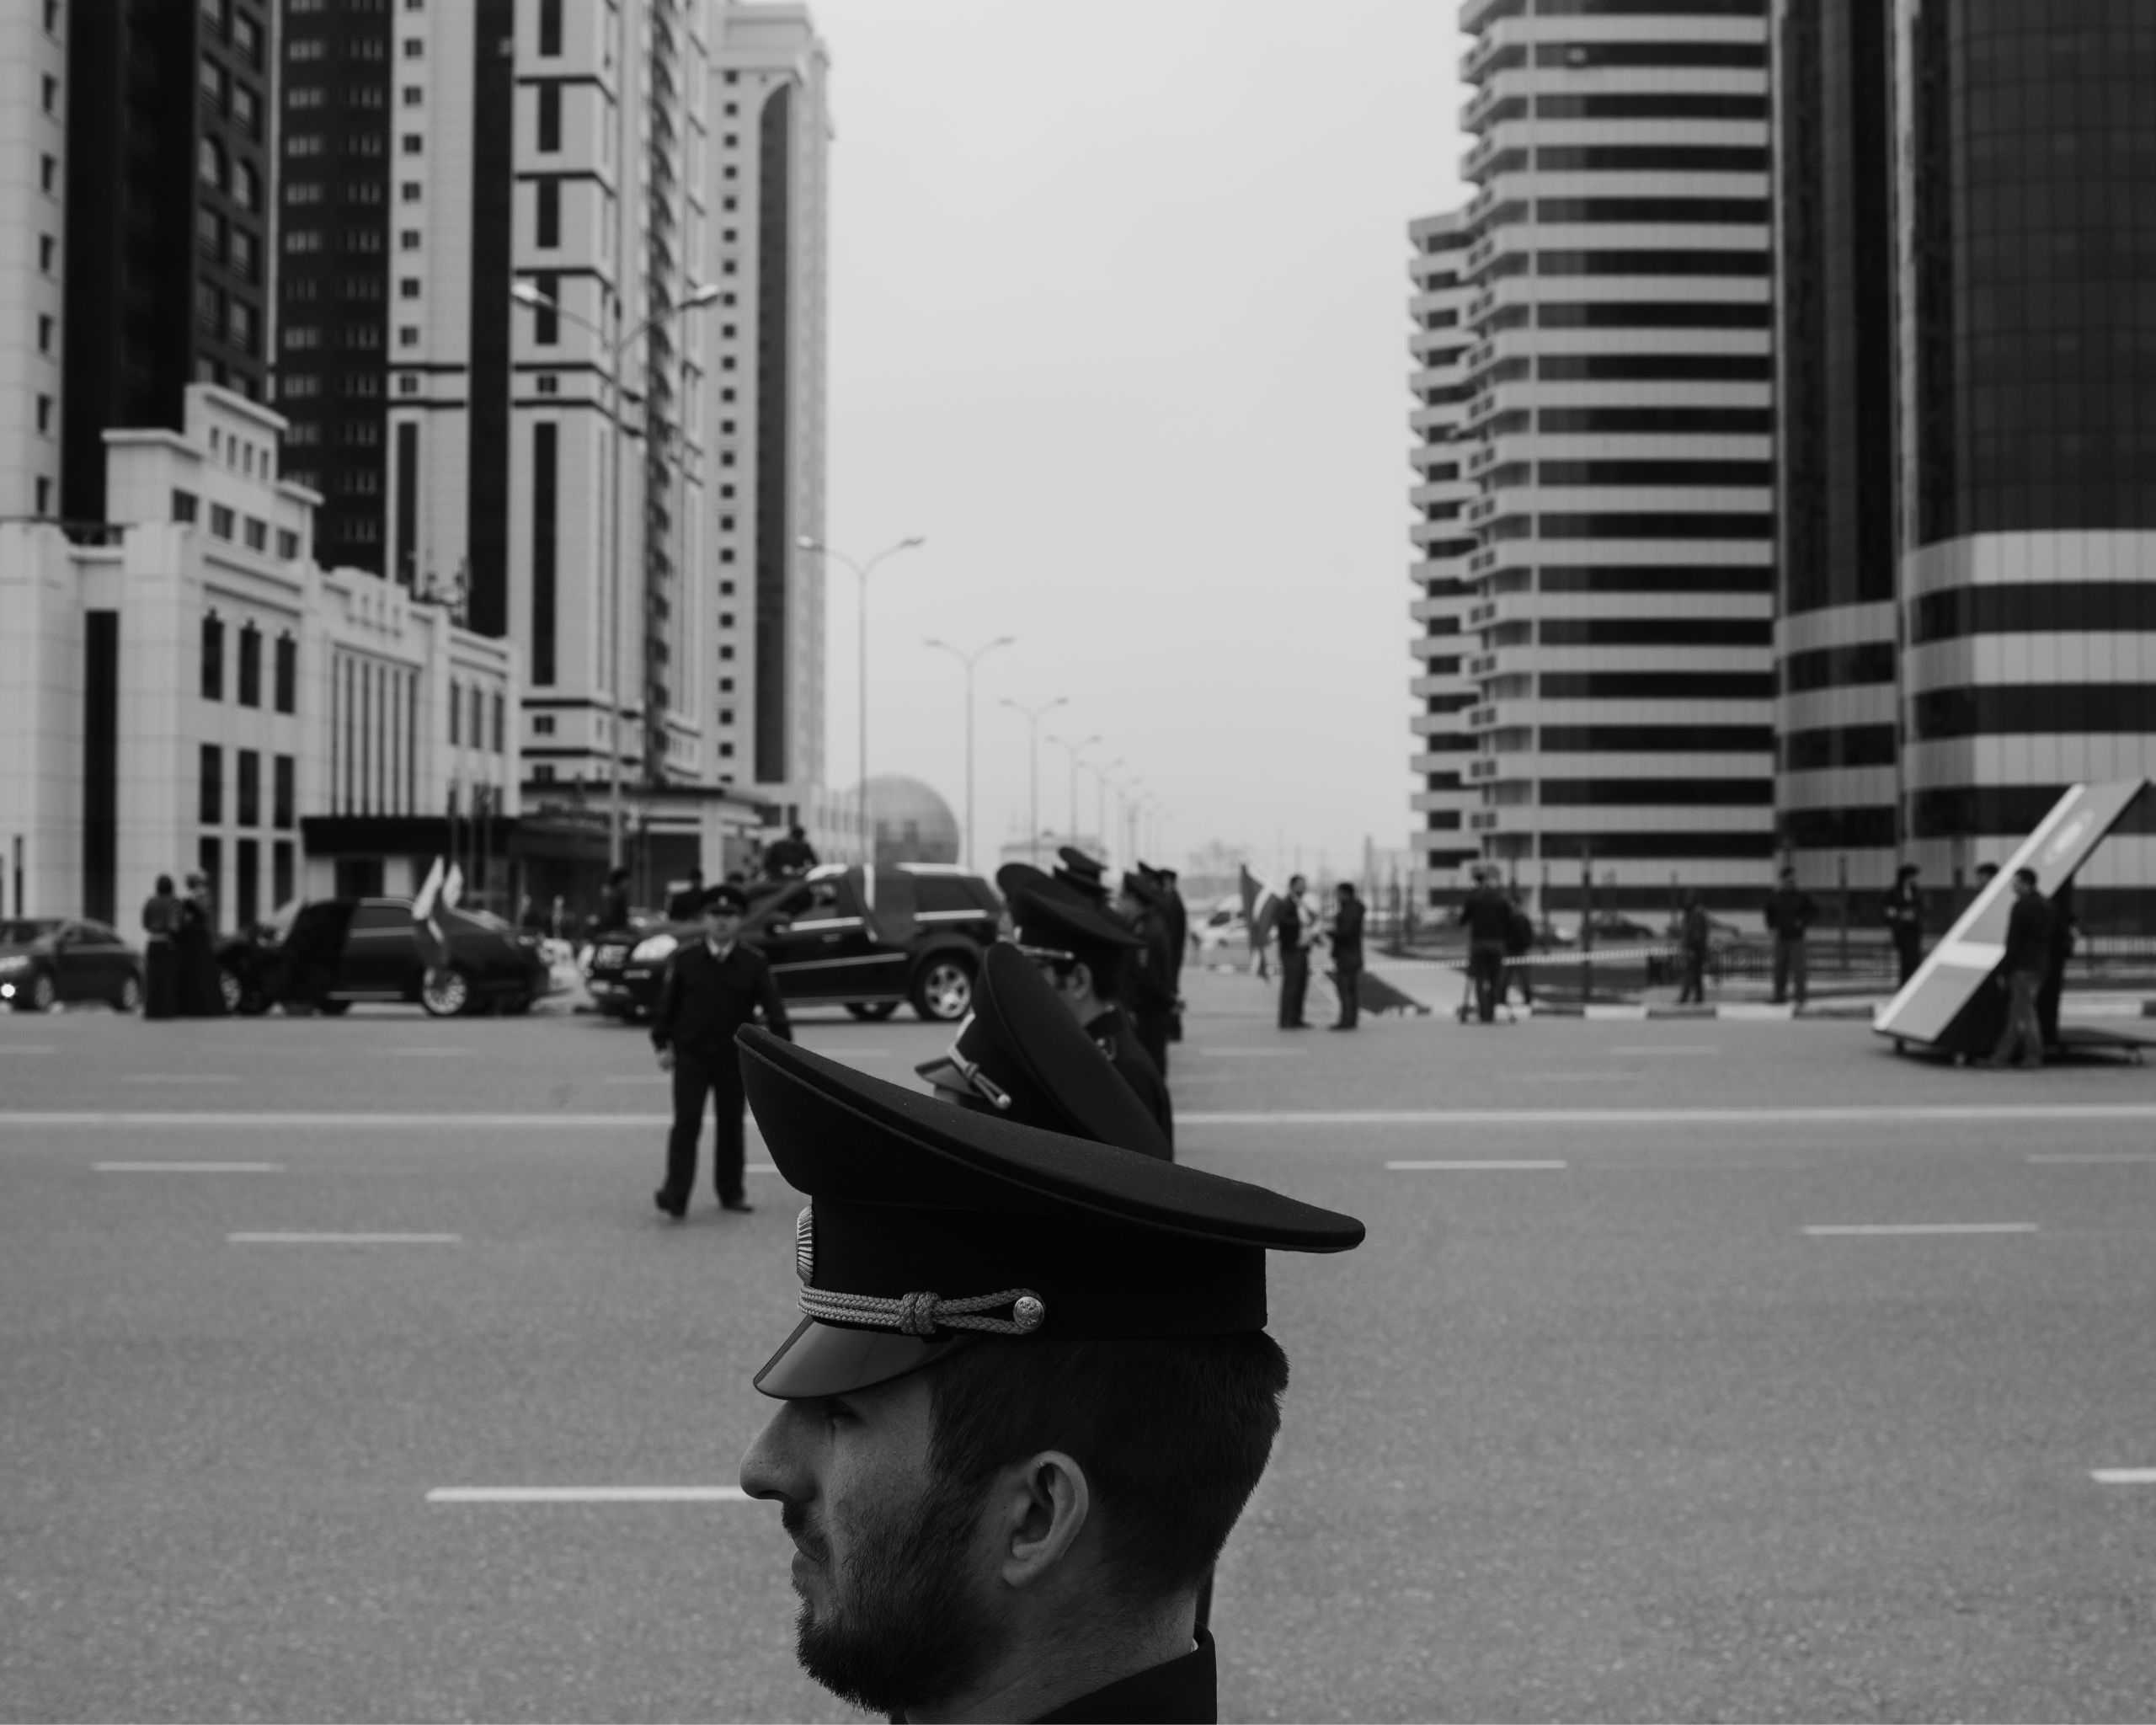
(1614,1439)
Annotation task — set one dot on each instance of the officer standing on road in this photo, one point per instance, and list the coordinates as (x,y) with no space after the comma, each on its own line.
(712,987)
(2029,929)
(1149,986)
(1082,946)
(1692,935)
(1004,1495)
(1294,956)
(1904,915)
(1487,915)
(1789,911)
(1347,954)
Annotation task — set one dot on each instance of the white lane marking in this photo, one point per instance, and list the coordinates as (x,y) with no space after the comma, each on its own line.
(1922,1228)
(1619,1118)
(2123,1475)
(1667,1048)
(1417,1167)
(180,1078)
(345,1239)
(588,1494)
(429,1053)
(1251,1054)
(2124,1156)
(190,1168)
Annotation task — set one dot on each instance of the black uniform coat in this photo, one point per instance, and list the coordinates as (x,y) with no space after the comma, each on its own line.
(1185,1690)
(1115,1036)
(704,1000)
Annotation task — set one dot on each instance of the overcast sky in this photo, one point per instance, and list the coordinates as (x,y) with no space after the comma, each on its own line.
(1118,321)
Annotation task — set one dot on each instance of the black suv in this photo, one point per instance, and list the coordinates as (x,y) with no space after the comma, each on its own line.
(329,952)
(919,942)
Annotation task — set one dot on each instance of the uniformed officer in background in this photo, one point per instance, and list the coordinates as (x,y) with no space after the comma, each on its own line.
(1004,1495)
(1082,947)
(1904,915)
(1086,876)
(1148,973)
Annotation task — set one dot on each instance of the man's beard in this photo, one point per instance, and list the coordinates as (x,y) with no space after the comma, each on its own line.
(906,1625)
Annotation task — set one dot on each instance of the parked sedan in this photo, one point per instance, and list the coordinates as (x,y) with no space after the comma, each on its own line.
(328,953)
(45,960)
(918,942)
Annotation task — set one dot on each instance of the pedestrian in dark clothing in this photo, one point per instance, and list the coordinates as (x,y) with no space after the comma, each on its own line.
(1789,911)
(194,957)
(1294,956)
(1487,915)
(1149,988)
(1519,942)
(1347,954)
(160,962)
(712,987)
(2029,933)
(1904,915)
(2062,942)
(613,903)
(1692,935)
(688,904)
(789,856)
(1178,919)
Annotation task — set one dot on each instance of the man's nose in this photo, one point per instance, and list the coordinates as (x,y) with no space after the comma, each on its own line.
(773,1466)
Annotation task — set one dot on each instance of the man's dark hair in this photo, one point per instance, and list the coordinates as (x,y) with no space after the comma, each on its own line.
(164,884)
(1103,963)
(1906,870)
(2027,874)
(1173,1433)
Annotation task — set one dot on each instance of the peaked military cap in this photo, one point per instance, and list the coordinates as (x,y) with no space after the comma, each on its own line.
(1052,915)
(1022,1055)
(928,1225)
(726,896)
(1143,884)
(1087,874)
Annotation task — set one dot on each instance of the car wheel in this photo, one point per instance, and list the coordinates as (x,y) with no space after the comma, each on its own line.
(130,997)
(332,1009)
(872,1012)
(943,992)
(44,992)
(447,993)
(232,988)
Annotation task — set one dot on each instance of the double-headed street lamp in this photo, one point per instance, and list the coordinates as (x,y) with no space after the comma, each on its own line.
(861,576)
(528,293)
(970,660)
(1033,716)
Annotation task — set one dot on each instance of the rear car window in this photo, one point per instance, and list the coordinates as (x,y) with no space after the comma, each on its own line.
(381,917)
(948,892)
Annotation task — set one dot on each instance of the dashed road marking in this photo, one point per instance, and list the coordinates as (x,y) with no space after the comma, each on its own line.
(298,1239)
(1667,1048)
(438,1053)
(1250,1053)
(1431,1167)
(190,1168)
(588,1494)
(1922,1228)
(2136,1156)
(180,1078)
(2123,1475)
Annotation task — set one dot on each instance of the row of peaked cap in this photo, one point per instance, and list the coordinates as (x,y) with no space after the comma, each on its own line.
(1051,915)
(1082,874)
(929,1225)
(1022,1055)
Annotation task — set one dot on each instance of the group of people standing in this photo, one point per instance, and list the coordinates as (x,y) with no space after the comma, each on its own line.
(180,960)
(1297,929)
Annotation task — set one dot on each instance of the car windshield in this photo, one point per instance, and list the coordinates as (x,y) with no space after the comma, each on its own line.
(23,930)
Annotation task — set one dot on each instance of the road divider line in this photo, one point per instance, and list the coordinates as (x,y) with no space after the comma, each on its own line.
(1922,1228)
(296,1239)
(441,1054)
(1667,1048)
(1471,1167)
(2136,1156)
(190,1168)
(2123,1475)
(180,1078)
(588,1494)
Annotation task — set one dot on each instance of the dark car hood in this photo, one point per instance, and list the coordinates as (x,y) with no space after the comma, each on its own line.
(13,949)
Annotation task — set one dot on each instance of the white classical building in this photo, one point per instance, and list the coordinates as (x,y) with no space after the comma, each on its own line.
(185,688)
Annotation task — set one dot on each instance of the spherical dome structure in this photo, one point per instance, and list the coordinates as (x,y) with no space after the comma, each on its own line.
(913,823)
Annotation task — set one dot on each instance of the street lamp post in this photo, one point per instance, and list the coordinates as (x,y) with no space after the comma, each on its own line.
(970,660)
(1076,751)
(1033,716)
(528,293)
(861,571)
(1101,797)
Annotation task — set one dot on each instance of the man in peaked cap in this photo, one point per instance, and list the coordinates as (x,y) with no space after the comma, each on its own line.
(1087,876)
(1149,985)
(1082,948)
(1006,1493)
(1022,1055)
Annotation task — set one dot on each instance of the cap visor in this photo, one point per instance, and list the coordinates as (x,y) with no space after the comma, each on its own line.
(943,1073)
(822,1360)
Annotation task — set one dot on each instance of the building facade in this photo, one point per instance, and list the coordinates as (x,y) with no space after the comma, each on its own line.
(189,690)
(1445,797)
(1619,437)
(33,230)
(1986,237)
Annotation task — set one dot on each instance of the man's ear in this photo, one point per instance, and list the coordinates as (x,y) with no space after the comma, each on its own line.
(1039,1508)
(1079,978)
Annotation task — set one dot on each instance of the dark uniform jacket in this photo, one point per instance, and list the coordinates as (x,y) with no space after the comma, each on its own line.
(1904,908)
(788,856)
(2029,934)
(613,909)
(1348,933)
(1791,911)
(1148,978)
(1488,915)
(704,1000)
(1289,926)
(1112,1035)
(1184,1690)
